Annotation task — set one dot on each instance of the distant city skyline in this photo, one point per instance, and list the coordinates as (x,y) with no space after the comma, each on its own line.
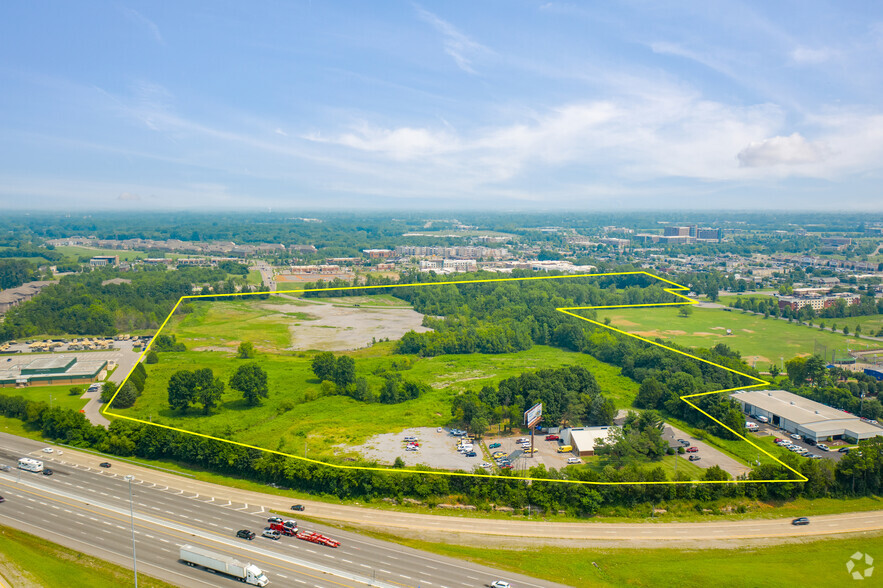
(499,105)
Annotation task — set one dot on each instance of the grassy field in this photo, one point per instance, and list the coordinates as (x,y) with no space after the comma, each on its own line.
(816,563)
(254,278)
(28,560)
(75,252)
(60,395)
(757,339)
(288,418)
(227,322)
(667,463)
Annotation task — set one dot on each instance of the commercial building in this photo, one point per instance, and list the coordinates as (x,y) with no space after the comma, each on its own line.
(378,253)
(100,260)
(15,296)
(584,439)
(805,417)
(817,302)
(59,369)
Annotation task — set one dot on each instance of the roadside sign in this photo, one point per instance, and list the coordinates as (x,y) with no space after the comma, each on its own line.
(533,415)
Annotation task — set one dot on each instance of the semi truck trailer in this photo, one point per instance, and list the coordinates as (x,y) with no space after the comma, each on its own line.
(244,572)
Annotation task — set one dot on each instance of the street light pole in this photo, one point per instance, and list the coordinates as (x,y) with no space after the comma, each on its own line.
(129,479)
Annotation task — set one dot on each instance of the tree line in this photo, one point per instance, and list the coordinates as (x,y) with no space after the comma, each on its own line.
(341,372)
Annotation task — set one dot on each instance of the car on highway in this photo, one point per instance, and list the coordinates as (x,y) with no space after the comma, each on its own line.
(274,520)
(4,468)
(2,499)
(272,534)
(48,450)
(494,445)
(47,472)
(692,449)
(245,534)
(471,454)
(297,507)
(694,458)
(105,464)
(552,437)
(501,584)
(800,521)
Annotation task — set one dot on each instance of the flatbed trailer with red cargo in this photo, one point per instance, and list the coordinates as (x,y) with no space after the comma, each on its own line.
(318,538)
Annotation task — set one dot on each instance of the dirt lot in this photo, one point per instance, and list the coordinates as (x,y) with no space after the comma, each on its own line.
(332,327)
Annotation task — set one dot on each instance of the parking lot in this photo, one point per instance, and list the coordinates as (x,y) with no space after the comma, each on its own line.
(765,430)
(708,456)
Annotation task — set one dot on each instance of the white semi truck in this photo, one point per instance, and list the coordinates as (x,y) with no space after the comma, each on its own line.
(244,572)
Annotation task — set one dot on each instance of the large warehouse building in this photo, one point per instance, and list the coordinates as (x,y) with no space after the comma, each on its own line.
(583,439)
(805,417)
(59,369)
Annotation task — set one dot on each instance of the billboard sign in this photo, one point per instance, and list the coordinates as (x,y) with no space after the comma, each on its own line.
(533,415)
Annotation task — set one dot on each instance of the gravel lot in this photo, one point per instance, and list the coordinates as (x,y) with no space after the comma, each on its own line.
(437,450)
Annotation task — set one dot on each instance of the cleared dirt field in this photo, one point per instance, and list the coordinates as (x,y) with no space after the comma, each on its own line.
(437,449)
(329,326)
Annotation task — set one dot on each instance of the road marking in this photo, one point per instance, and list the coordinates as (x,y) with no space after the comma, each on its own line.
(384,571)
(405,577)
(365,566)
(346,560)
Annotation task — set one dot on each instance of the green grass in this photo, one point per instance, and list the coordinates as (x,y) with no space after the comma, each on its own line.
(815,563)
(74,252)
(60,395)
(253,278)
(667,464)
(28,560)
(285,420)
(228,322)
(758,340)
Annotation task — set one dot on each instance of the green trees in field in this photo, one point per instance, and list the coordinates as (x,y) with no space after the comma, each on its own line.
(685,311)
(167,343)
(323,365)
(251,380)
(246,351)
(344,371)
(108,389)
(640,437)
(126,397)
(187,388)
(151,357)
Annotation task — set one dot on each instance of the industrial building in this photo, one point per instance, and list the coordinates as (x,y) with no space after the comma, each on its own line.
(805,417)
(59,369)
(584,439)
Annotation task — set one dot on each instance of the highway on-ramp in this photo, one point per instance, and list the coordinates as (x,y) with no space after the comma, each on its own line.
(87,508)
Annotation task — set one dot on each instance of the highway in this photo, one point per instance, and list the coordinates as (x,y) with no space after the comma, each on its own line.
(87,508)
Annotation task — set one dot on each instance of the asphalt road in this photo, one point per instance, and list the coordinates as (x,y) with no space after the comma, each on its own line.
(87,508)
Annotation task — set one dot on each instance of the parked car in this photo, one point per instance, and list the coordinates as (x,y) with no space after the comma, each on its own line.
(499,454)
(796,437)
(485,465)
(274,520)
(684,442)
(297,507)
(843,450)
(574,460)
(809,441)
(494,445)
(245,534)
(471,454)
(104,464)
(692,449)
(776,440)
(694,458)
(506,466)
(552,438)
(529,450)
(823,447)
(800,521)
(272,534)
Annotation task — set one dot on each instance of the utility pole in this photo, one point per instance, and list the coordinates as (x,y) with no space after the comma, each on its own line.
(129,479)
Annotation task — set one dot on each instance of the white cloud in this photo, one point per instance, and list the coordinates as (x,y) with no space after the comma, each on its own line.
(128,197)
(281,132)
(811,56)
(791,150)
(148,24)
(460,47)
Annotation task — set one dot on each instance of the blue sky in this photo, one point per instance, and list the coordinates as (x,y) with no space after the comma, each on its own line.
(464,105)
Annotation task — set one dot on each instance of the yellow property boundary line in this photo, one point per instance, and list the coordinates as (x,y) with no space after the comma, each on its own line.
(675,289)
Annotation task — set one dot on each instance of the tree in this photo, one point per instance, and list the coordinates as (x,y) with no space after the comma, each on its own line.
(323,365)
(344,371)
(774,370)
(108,389)
(796,369)
(246,350)
(181,390)
(151,357)
(858,330)
(479,426)
(845,329)
(251,380)
(815,369)
(685,311)
(127,396)
(210,395)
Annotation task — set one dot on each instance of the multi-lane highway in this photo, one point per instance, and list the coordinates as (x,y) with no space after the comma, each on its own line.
(88,508)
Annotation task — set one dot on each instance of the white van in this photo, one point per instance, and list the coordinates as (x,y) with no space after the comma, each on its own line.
(464,448)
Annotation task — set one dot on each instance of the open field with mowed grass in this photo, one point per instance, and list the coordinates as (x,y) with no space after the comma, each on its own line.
(60,395)
(757,339)
(28,560)
(811,563)
(285,420)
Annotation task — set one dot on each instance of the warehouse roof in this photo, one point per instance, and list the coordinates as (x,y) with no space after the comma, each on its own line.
(792,407)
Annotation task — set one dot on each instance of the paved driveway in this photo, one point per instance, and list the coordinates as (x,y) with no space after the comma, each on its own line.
(710,456)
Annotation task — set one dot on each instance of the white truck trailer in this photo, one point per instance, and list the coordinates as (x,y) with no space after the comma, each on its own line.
(244,572)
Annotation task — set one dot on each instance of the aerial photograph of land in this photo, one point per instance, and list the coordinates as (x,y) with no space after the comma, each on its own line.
(441,295)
